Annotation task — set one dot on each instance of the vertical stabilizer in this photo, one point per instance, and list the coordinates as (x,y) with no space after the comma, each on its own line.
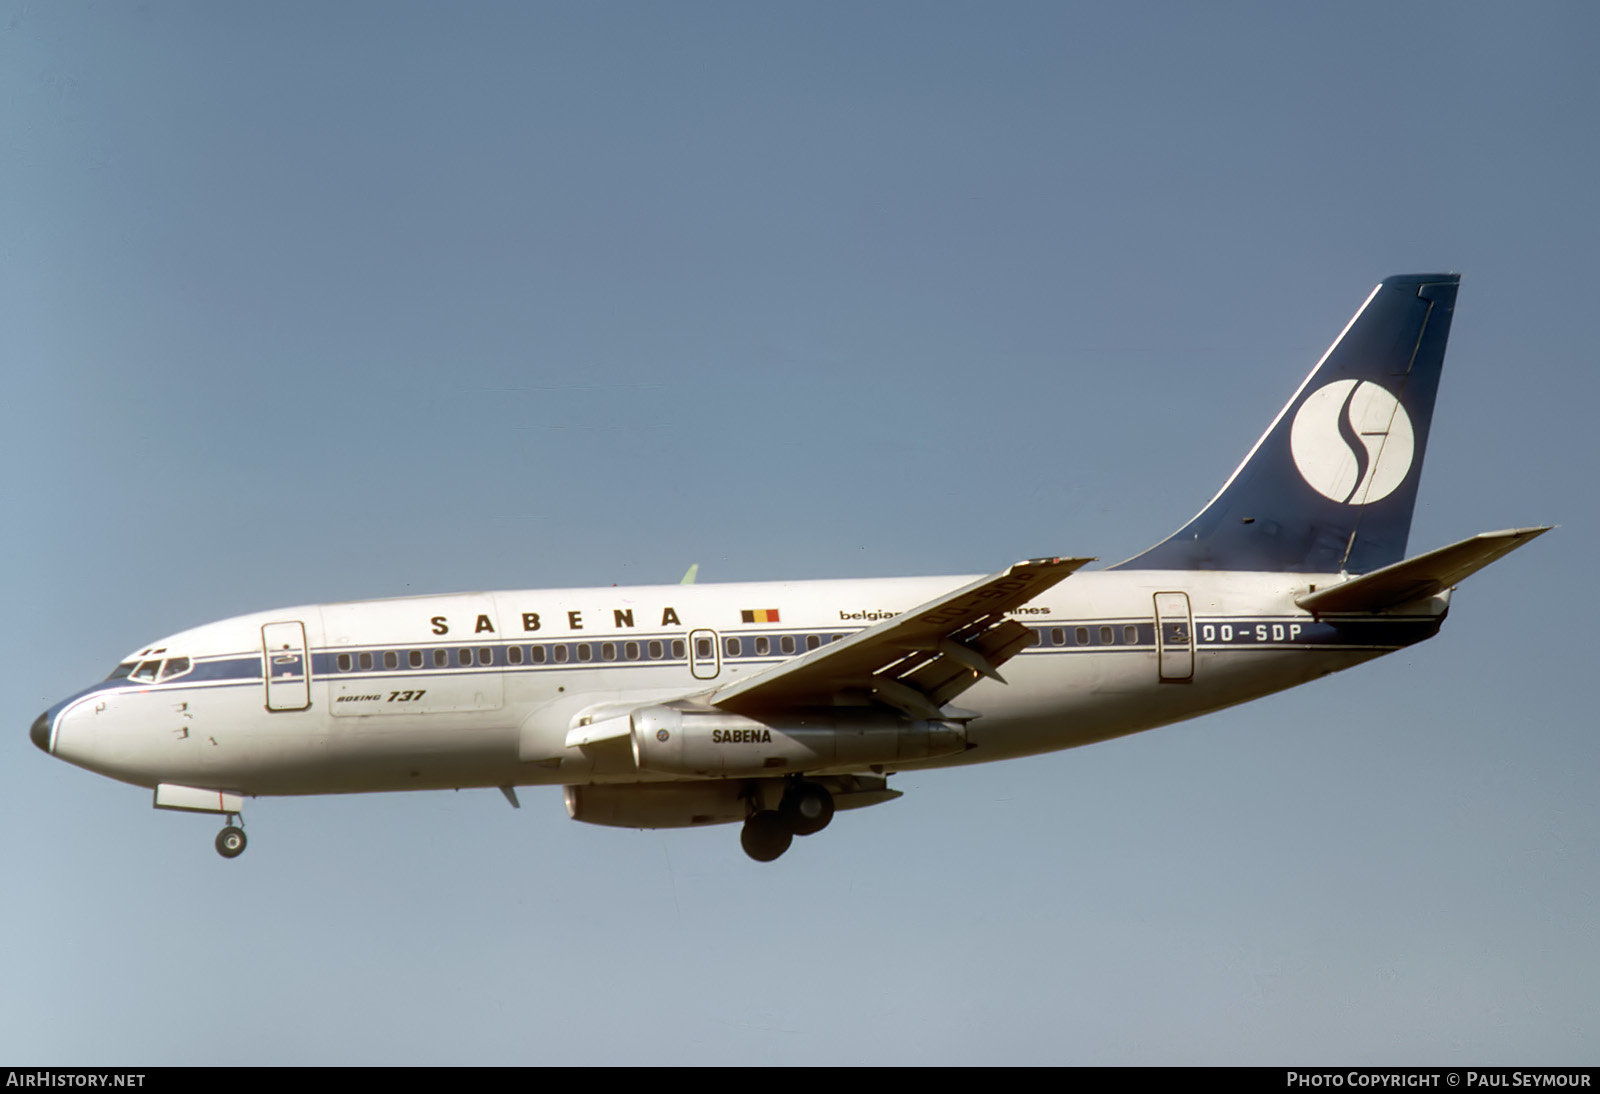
(1332,483)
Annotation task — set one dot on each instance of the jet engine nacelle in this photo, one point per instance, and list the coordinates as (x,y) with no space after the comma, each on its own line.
(676,741)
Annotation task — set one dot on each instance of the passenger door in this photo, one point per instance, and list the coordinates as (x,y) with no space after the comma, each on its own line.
(285,666)
(1175,637)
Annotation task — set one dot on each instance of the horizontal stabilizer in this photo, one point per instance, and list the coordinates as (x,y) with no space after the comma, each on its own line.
(1417,577)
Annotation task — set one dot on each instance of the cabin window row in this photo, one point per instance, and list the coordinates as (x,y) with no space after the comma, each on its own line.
(764,646)
(558,653)
(561,653)
(1125,635)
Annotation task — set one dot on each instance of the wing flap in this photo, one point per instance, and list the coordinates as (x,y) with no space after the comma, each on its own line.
(919,660)
(1421,576)
(947,674)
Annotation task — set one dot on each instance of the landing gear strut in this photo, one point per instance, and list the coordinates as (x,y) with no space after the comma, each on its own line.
(231,841)
(805,808)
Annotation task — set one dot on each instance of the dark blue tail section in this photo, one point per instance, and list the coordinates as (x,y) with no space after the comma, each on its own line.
(1331,484)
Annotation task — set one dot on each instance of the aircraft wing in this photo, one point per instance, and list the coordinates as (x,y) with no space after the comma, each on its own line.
(916,662)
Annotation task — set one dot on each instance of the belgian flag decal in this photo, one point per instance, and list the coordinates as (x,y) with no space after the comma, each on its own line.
(760,615)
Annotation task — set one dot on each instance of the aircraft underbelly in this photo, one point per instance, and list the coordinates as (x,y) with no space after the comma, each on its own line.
(1114,697)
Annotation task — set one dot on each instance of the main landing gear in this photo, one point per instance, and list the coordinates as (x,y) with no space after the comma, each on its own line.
(806,808)
(231,841)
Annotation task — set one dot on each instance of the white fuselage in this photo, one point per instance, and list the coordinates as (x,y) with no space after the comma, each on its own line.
(482,689)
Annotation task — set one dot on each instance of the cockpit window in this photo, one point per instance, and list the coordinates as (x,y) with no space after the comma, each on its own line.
(176,666)
(122,670)
(147,670)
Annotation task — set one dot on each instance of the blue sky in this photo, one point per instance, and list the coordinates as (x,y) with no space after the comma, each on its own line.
(317,302)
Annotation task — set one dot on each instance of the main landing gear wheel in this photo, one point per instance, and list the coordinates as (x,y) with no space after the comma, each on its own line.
(765,836)
(230,842)
(807,808)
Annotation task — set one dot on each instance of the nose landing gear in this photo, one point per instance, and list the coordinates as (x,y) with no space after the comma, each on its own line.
(231,841)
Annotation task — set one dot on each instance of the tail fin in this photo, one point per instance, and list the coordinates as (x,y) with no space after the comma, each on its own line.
(1331,484)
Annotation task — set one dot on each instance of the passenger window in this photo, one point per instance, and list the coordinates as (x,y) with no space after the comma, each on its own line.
(786,643)
(561,654)
(441,659)
(654,650)
(514,655)
(702,647)
(391,660)
(1107,636)
(414,659)
(631,651)
(463,657)
(147,671)
(763,646)
(538,655)
(677,648)
(176,666)
(1081,635)
(1130,635)
(344,662)
(734,647)
(608,651)
(365,660)
(583,651)
(485,655)
(812,641)
(1058,636)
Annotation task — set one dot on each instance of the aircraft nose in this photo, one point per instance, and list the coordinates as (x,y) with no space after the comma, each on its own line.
(40,733)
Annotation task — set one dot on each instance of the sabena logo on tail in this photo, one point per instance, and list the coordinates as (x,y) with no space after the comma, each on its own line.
(1352,442)
(1346,434)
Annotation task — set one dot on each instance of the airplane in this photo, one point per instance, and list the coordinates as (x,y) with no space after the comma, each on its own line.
(776,705)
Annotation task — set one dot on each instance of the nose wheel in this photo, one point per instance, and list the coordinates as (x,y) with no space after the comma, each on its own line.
(231,842)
